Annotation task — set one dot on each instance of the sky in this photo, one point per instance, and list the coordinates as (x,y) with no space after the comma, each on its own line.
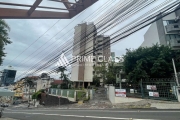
(31,41)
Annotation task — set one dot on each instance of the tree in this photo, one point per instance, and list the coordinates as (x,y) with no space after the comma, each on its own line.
(101,71)
(96,81)
(64,77)
(28,82)
(112,71)
(4,39)
(150,62)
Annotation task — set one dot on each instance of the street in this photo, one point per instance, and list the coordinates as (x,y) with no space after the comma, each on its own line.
(85,114)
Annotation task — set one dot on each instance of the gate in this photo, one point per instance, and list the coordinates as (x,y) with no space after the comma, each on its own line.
(160,89)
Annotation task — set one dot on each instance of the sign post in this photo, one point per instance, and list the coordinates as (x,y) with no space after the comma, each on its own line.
(120,92)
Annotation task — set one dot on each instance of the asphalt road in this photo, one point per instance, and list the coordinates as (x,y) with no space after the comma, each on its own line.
(80,114)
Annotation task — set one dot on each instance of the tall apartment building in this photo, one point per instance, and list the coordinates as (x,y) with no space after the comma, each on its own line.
(165,31)
(87,44)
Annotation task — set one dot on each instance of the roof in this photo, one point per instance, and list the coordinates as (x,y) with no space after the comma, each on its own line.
(57,82)
(42,9)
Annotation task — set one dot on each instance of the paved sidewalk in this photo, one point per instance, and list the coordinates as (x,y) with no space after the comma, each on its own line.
(165,106)
(7,119)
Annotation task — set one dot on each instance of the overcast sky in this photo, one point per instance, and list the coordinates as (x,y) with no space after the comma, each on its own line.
(25,32)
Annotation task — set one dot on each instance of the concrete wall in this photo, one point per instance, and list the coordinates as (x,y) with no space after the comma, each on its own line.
(161,32)
(113,99)
(111,93)
(50,100)
(171,16)
(151,36)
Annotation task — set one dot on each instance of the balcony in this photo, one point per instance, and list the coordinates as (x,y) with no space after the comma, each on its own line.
(175,43)
(173,28)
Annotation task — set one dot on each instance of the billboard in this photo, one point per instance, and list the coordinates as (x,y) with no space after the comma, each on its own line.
(151,87)
(120,92)
(154,94)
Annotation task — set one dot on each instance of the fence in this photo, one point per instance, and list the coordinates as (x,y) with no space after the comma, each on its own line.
(161,89)
(70,94)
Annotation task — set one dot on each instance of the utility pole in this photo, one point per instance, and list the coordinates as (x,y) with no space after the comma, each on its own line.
(175,71)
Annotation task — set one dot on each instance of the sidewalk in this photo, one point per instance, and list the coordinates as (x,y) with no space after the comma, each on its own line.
(7,119)
(165,106)
(144,104)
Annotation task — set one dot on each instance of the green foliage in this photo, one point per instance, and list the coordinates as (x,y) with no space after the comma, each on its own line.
(81,95)
(113,70)
(96,81)
(64,86)
(151,62)
(107,73)
(54,86)
(37,95)
(66,82)
(4,39)
(100,70)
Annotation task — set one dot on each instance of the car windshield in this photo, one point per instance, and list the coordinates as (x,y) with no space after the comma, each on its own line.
(89,59)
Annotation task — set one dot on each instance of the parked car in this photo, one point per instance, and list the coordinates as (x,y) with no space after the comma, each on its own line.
(4,105)
(1,112)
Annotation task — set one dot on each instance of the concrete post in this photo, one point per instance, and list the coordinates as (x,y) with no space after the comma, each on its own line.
(91,94)
(67,93)
(87,95)
(178,93)
(56,91)
(74,95)
(61,93)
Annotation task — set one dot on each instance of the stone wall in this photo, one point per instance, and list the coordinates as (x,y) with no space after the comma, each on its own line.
(50,100)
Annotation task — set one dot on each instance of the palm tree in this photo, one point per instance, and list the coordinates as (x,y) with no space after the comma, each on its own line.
(61,69)
(28,82)
(4,39)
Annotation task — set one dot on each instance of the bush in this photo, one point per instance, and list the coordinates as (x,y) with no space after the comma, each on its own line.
(81,95)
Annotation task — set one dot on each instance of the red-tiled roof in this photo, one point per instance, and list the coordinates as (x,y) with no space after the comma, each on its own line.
(57,82)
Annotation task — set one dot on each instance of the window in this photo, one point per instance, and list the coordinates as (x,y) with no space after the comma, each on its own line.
(171,22)
(178,41)
(176,26)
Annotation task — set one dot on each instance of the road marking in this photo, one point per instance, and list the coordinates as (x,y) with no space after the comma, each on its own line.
(97,117)
(98,111)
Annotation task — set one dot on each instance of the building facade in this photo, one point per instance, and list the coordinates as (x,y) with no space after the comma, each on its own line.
(8,77)
(88,46)
(102,54)
(165,31)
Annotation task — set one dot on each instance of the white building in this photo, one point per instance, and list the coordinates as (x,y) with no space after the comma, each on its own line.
(87,44)
(165,31)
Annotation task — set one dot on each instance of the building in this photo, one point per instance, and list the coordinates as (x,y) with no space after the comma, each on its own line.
(102,53)
(39,83)
(8,77)
(113,56)
(84,37)
(19,88)
(165,31)
(90,49)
